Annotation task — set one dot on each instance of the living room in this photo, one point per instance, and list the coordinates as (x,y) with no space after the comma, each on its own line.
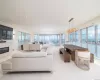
(49,39)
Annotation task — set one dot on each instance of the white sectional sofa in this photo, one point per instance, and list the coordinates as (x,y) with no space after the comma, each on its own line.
(29,61)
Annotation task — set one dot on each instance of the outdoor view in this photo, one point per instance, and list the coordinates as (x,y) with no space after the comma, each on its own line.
(50,38)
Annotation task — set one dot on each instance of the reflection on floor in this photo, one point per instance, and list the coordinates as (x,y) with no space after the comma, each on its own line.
(97,61)
(61,71)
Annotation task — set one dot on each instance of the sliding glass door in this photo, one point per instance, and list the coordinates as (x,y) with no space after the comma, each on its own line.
(84,38)
(91,39)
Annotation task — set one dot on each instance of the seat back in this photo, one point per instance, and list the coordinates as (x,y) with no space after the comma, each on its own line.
(35,47)
(85,54)
(26,47)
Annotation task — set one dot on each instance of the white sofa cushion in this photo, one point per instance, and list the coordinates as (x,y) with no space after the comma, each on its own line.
(43,50)
(45,46)
(50,50)
(29,54)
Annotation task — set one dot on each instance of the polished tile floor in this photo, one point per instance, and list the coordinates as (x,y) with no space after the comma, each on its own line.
(61,71)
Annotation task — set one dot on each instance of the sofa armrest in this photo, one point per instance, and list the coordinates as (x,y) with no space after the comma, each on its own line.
(6,65)
(50,50)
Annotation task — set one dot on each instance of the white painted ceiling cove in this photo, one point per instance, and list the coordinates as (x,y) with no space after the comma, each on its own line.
(52,15)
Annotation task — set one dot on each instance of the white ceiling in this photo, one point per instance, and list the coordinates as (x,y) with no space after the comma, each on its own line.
(48,14)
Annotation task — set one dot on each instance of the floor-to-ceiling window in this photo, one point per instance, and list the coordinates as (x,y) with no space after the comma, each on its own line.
(77,39)
(73,41)
(23,38)
(62,39)
(36,38)
(28,37)
(50,38)
(71,38)
(91,39)
(19,38)
(42,38)
(53,39)
(98,41)
(84,38)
